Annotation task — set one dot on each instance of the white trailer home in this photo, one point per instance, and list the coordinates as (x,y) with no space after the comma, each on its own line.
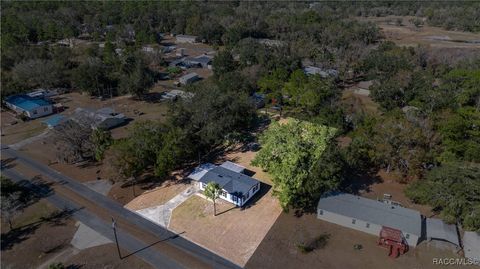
(370,216)
(32,107)
(186,38)
(237,188)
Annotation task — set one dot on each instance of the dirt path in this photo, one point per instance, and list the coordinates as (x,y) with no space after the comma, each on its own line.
(162,214)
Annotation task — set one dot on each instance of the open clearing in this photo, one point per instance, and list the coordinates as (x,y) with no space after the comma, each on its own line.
(407,34)
(278,249)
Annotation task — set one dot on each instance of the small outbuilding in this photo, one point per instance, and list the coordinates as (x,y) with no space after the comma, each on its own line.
(203,61)
(189,78)
(54,121)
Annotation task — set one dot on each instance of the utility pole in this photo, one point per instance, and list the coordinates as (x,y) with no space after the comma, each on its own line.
(114,227)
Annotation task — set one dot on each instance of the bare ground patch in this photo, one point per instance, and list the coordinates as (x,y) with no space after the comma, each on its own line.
(279,248)
(36,236)
(407,34)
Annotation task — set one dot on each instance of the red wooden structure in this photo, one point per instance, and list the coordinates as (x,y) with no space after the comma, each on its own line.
(392,239)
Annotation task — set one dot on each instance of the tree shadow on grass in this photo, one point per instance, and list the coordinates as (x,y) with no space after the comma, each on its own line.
(361,182)
(8,163)
(22,233)
(31,191)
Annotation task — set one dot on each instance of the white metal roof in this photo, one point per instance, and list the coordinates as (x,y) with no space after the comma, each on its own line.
(233,167)
(372,211)
(201,170)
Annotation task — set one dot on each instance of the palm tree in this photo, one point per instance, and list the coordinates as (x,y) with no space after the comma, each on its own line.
(212,191)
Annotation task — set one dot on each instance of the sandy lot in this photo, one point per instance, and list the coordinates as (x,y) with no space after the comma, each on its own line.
(34,243)
(234,233)
(408,35)
(105,256)
(278,249)
(159,195)
(32,238)
(15,132)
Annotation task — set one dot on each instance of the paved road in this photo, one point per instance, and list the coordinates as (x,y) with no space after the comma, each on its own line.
(206,256)
(128,242)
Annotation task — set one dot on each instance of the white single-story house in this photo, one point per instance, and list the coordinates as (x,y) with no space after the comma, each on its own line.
(32,107)
(186,38)
(188,78)
(104,118)
(438,230)
(237,188)
(370,216)
(471,246)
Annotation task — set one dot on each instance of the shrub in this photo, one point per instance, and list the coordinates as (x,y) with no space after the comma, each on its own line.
(318,242)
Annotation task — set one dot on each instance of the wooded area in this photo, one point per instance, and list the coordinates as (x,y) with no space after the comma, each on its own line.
(426,132)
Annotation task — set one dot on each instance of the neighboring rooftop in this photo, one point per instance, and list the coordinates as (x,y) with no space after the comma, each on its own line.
(437,229)
(373,211)
(231,181)
(95,117)
(189,76)
(54,120)
(26,102)
(471,245)
(312,70)
(173,94)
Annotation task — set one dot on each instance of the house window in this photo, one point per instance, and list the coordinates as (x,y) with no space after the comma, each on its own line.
(234,198)
(368,225)
(223,193)
(34,112)
(256,187)
(353,221)
(407,236)
(321,212)
(45,109)
(203,185)
(246,196)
